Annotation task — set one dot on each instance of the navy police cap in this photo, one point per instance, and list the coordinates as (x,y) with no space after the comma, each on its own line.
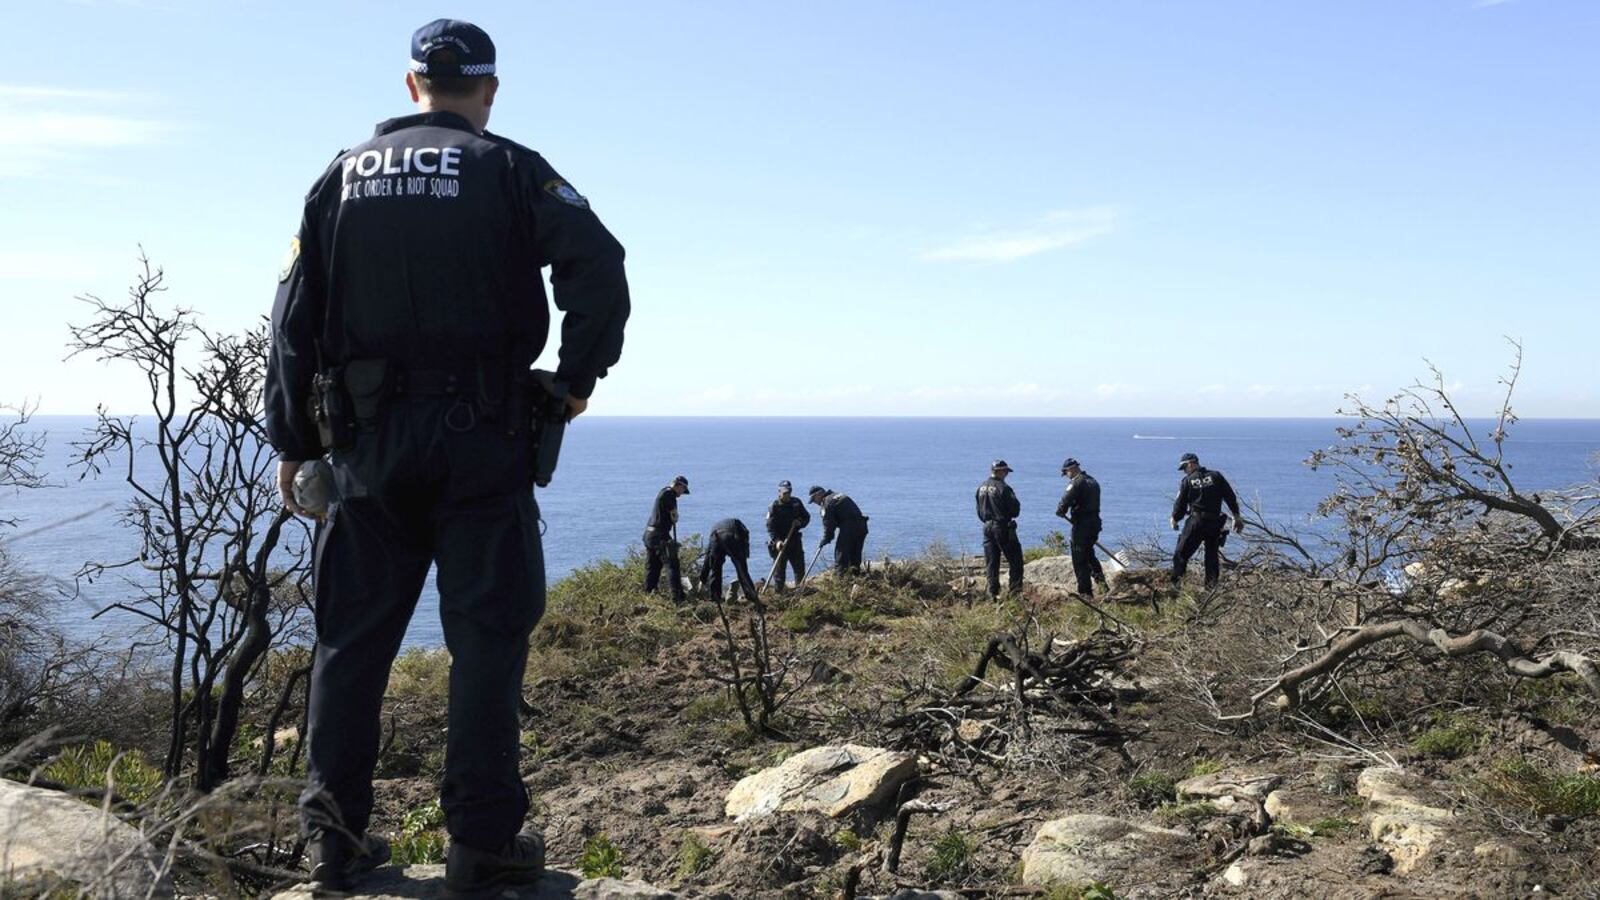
(1188,458)
(473,52)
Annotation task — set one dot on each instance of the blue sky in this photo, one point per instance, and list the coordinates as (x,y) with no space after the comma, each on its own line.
(888,208)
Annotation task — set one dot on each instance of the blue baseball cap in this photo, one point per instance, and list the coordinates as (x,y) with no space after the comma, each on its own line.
(471,53)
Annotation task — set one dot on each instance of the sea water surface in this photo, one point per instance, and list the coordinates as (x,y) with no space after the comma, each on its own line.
(914,477)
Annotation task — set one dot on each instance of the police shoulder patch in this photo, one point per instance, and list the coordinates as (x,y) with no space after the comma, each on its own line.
(289,259)
(566,193)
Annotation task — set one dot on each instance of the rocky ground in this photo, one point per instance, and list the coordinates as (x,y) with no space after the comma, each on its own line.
(1109,775)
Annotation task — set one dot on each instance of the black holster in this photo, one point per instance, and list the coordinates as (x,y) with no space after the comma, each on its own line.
(546,411)
(331,410)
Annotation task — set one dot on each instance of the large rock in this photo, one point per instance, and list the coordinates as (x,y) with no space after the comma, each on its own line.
(1057,570)
(834,781)
(1403,817)
(49,836)
(1083,849)
(427,883)
(1229,785)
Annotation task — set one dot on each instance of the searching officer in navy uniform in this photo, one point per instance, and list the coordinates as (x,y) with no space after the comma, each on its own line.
(998,508)
(661,539)
(405,323)
(841,515)
(785,513)
(729,541)
(1201,495)
(1080,505)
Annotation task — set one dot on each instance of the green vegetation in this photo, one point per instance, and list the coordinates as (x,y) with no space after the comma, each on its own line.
(601,858)
(715,707)
(1055,544)
(421,675)
(597,620)
(420,841)
(846,604)
(1451,737)
(847,840)
(1544,792)
(98,766)
(1331,826)
(1187,811)
(694,856)
(1153,788)
(1206,766)
(952,856)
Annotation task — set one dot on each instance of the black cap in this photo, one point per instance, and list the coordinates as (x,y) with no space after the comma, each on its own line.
(1187,458)
(785,485)
(999,464)
(1071,463)
(815,490)
(683,481)
(472,51)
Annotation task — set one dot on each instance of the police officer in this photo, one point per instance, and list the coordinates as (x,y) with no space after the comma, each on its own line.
(1080,505)
(729,540)
(841,515)
(1201,495)
(786,513)
(998,508)
(661,539)
(413,303)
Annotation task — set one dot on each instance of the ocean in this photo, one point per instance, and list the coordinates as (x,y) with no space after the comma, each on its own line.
(914,477)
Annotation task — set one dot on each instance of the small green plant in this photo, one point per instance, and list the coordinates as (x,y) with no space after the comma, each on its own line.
(1153,788)
(714,707)
(694,856)
(601,858)
(952,856)
(1054,544)
(1293,830)
(92,766)
(1450,737)
(419,841)
(1187,811)
(1206,766)
(1544,792)
(1331,826)
(847,840)
(426,848)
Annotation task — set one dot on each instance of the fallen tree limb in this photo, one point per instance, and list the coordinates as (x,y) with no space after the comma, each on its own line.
(1356,639)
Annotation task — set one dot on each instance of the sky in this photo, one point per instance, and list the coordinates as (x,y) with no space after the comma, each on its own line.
(904,207)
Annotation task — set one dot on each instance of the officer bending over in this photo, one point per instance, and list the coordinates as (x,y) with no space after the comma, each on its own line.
(1080,505)
(998,508)
(406,319)
(1201,495)
(661,539)
(841,515)
(729,540)
(786,513)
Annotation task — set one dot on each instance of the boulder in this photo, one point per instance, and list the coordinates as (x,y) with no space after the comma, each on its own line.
(1303,806)
(427,883)
(1083,849)
(1403,818)
(1057,570)
(834,780)
(49,836)
(1229,785)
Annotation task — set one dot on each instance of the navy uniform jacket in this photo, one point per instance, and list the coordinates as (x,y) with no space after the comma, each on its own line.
(1081,502)
(733,535)
(839,511)
(424,247)
(997,502)
(665,510)
(782,513)
(1202,493)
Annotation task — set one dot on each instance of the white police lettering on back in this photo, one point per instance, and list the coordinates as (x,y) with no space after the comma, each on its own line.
(424,160)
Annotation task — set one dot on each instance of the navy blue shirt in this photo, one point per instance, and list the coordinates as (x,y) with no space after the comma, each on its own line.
(424,246)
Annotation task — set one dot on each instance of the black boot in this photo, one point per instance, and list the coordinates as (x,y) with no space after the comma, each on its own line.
(473,874)
(337,862)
